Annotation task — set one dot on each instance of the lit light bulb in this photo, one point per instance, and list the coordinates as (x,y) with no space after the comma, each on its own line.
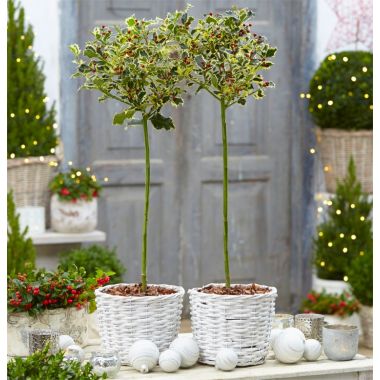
(361,253)
(326,168)
(12,115)
(88,169)
(320,234)
(338,212)
(69,163)
(353,78)
(78,173)
(350,93)
(30,47)
(364,69)
(312,150)
(366,96)
(362,218)
(323,263)
(45,99)
(371,107)
(345,59)
(18,60)
(93,178)
(319,106)
(353,237)
(341,236)
(35,142)
(22,37)
(12,155)
(352,205)
(52,150)
(330,102)
(22,146)
(26,160)
(329,203)
(38,117)
(345,250)
(308,96)
(302,95)
(320,209)
(72,176)
(106,179)
(345,278)
(330,244)
(55,125)
(320,87)
(27,110)
(42,158)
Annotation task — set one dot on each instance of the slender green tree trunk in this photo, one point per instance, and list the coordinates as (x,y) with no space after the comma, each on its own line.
(146,209)
(225,193)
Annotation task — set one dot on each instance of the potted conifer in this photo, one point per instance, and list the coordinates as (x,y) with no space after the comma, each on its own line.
(31,126)
(341,105)
(137,65)
(346,234)
(227,57)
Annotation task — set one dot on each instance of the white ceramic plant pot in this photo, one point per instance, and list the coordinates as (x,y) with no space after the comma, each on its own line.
(240,322)
(124,320)
(366,318)
(73,217)
(330,286)
(69,321)
(353,320)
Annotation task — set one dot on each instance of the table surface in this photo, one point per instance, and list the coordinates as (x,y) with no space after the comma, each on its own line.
(51,237)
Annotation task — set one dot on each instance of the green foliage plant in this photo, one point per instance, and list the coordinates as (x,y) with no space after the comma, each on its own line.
(347,232)
(30,130)
(360,277)
(42,366)
(341,91)
(137,65)
(21,254)
(93,258)
(74,185)
(226,58)
(40,290)
(342,305)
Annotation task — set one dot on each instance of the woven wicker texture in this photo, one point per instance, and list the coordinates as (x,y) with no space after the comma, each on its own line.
(29,179)
(336,147)
(124,320)
(242,323)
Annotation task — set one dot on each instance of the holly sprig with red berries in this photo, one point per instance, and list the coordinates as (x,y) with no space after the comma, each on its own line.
(77,184)
(40,290)
(344,304)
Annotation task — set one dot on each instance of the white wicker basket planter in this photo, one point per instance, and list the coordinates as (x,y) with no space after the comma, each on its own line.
(242,323)
(124,320)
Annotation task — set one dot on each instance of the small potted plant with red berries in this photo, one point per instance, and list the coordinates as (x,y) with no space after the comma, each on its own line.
(74,204)
(58,300)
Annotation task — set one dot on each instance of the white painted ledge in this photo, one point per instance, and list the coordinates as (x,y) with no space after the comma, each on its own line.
(51,237)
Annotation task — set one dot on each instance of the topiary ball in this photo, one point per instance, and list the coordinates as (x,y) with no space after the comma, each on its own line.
(341,93)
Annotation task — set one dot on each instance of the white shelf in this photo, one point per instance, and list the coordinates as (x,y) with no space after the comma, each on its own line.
(51,237)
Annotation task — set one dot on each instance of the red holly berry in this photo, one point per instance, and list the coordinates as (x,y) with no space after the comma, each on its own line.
(69,287)
(73,291)
(79,306)
(48,295)
(70,300)
(94,193)
(65,191)
(45,302)
(342,304)
(28,306)
(36,291)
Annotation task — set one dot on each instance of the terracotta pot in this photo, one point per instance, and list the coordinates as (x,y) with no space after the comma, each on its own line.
(73,217)
(69,321)
(366,319)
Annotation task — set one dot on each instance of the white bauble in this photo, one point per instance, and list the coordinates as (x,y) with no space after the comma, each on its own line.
(226,359)
(313,350)
(65,341)
(143,355)
(294,330)
(75,351)
(188,349)
(289,346)
(169,361)
(273,335)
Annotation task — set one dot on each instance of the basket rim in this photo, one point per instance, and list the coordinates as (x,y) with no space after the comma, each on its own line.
(20,161)
(223,297)
(180,291)
(333,132)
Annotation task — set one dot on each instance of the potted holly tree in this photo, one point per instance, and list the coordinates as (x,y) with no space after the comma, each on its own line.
(138,66)
(341,105)
(227,58)
(74,206)
(58,300)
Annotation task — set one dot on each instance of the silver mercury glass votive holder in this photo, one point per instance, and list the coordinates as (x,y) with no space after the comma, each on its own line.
(311,325)
(282,321)
(38,338)
(106,362)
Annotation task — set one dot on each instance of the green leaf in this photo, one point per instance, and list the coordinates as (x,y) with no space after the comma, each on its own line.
(90,52)
(177,101)
(242,101)
(271,52)
(210,20)
(118,118)
(75,49)
(162,122)
(184,18)
(130,21)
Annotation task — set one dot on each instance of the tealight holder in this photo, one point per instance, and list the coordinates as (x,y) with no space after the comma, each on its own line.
(311,325)
(282,321)
(105,362)
(38,338)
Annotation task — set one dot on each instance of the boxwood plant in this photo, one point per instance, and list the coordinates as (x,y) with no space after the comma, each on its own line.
(137,65)
(226,58)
